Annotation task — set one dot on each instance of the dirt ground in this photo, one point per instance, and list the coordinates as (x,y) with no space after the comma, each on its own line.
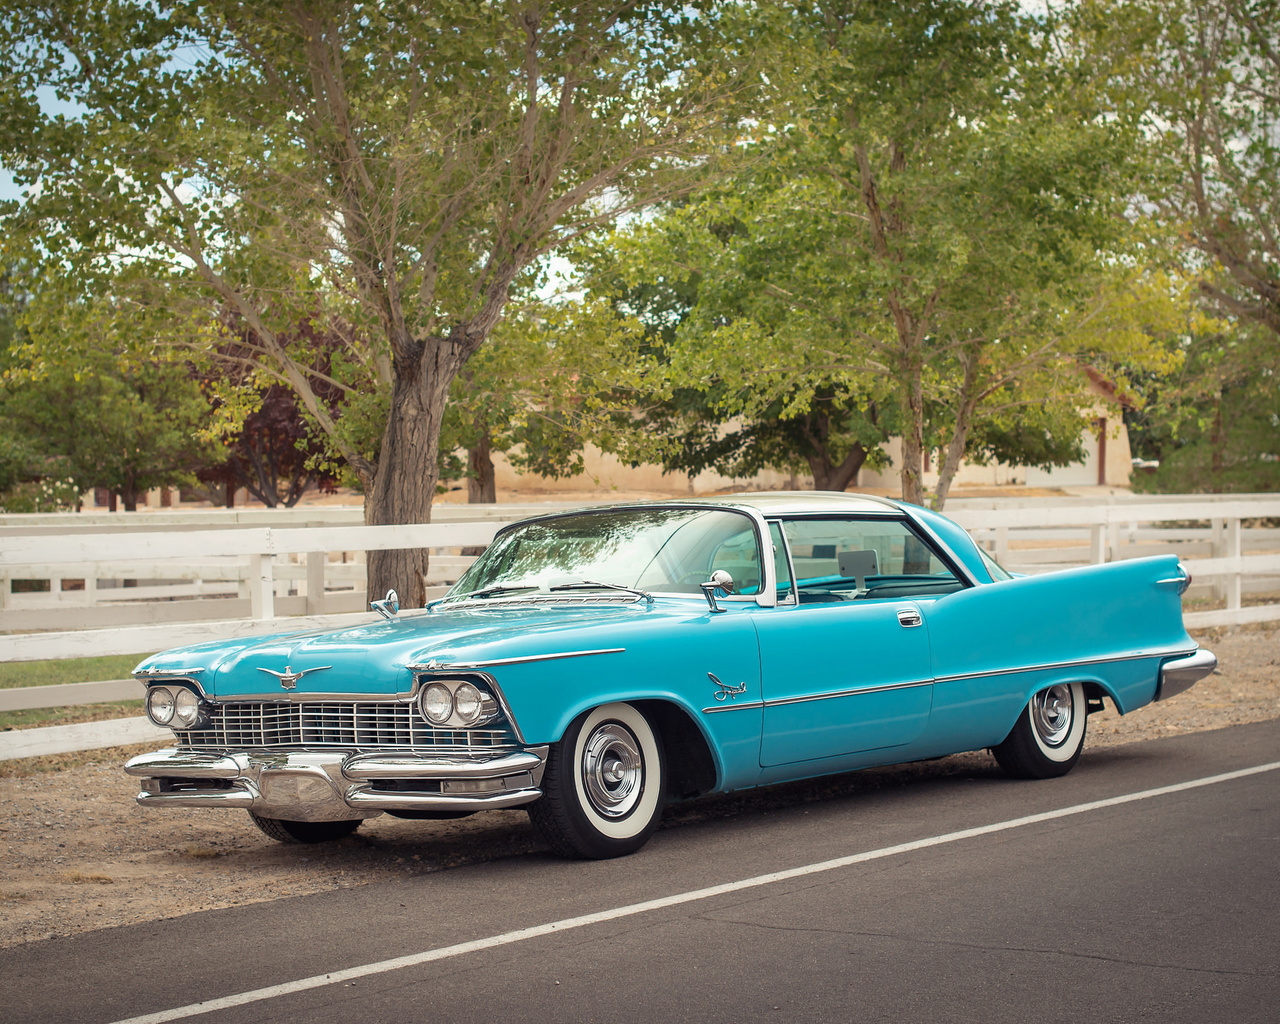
(77,853)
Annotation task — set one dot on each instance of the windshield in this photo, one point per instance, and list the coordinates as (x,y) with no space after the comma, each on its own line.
(663,550)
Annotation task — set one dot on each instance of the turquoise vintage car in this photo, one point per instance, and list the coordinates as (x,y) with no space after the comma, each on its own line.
(595,665)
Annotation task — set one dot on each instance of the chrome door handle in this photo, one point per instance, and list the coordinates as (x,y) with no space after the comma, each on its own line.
(909,617)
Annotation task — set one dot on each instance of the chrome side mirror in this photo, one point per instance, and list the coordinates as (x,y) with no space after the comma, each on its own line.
(388,607)
(720,580)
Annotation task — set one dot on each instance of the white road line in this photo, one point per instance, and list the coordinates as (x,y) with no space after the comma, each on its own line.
(569,923)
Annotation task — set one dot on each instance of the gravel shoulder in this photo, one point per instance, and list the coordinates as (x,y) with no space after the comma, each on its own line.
(78,854)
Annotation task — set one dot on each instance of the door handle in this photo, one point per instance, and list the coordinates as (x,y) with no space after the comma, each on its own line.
(908,617)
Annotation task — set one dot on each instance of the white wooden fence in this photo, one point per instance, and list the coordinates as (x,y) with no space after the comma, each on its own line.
(204,576)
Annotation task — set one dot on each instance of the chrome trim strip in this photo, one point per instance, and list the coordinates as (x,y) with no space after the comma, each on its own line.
(368,767)
(161,673)
(1063,664)
(853,692)
(809,698)
(364,800)
(734,707)
(440,666)
(293,697)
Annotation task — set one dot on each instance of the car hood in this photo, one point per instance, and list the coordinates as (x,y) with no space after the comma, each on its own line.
(374,658)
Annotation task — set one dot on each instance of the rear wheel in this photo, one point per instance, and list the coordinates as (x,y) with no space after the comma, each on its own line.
(603,784)
(304,831)
(1047,739)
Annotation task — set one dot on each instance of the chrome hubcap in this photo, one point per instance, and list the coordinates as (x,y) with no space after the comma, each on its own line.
(1051,713)
(612,770)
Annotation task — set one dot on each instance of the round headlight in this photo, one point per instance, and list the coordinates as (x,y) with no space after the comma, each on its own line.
(468,703)
(436,703)
(160,705)
(186,708)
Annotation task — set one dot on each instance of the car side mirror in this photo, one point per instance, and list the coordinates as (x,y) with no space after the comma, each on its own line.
(720,580)
(388,607)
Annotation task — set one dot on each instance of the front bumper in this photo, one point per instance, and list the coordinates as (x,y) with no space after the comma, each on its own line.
(336,786)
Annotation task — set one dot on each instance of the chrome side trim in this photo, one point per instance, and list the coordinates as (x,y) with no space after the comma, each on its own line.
(733,707)
(853,692)
(809,698)
(439,666)
(160,673)
(1046,666)
(1182,674)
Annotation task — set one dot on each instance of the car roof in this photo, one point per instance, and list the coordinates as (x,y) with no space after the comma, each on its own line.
(792,502)
(767,503)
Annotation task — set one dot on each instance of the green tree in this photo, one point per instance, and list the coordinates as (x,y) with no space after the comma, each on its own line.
(934,226)
(393,171)
(1209,72)
(128,425)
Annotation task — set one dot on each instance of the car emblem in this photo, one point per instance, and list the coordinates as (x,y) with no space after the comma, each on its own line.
(725,689)
(289,679)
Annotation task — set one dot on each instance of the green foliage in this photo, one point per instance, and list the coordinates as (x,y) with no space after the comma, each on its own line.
(1215,425)
(48,494)
(391,172)
(930,235)
(80,393)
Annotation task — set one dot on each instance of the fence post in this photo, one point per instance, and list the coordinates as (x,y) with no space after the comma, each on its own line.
(1234,552)
(262,586)
(316,561)
(1218,549)
(1097,544)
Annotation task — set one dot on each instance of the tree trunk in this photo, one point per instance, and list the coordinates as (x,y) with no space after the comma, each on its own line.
(405,482)
(829,477)
(912,473)
(482,487)
(960,433)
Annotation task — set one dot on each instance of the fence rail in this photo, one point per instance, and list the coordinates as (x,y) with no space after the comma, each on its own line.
(105,584)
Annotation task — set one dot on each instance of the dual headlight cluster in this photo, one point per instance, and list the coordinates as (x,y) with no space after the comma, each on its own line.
(174,707)
(457,703)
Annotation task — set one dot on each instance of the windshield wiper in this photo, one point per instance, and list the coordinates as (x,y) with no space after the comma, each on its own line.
(497,588)
(588,584)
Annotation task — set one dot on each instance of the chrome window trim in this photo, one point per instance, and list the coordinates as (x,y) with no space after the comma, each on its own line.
(1171,652)
(765,599)
(925,534)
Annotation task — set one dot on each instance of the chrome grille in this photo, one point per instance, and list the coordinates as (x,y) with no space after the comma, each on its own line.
(347,725)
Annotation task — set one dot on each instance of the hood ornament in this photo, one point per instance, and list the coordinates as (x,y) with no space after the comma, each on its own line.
(289,679)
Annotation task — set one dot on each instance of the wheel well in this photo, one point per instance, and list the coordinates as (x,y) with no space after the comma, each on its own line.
(1095,697)
(691,770)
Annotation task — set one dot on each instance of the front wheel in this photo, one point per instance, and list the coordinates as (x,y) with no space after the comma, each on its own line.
(602,787)
(1047,739)
(283,831)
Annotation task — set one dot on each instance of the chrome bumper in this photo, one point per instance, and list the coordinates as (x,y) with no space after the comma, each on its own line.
(302,786)
(1176,676)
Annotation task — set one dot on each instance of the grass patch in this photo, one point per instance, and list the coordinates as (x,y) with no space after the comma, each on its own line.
(76,878)
(14,674)
(34,718)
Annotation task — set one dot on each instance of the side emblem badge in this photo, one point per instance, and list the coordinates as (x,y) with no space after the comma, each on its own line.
(289,679)
(725,689)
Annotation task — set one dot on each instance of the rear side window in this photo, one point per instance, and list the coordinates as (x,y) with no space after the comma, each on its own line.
(842,559)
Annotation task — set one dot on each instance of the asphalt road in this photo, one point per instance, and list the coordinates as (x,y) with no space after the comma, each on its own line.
(1164,907)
